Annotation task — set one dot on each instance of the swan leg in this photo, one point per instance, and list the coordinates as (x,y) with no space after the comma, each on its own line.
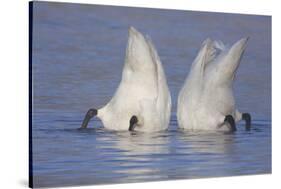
(91,113)
(133,123)
(247,118)
(229,119)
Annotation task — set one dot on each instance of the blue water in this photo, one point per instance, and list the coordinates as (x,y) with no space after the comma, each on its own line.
(78,55)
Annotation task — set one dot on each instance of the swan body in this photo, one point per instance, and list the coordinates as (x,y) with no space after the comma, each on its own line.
(206,97)
(142,92)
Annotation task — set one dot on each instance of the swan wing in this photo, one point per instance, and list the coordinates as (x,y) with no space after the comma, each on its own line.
(163,100)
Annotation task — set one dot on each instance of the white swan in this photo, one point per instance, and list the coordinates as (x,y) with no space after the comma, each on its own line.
(142,100)
(206,100)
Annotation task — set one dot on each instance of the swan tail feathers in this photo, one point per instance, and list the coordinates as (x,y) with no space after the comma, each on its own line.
(207,53)
(219,45)
(211,51)
(232,59)
(137,51)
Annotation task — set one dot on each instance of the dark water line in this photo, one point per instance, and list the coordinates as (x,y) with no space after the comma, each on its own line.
(30,29)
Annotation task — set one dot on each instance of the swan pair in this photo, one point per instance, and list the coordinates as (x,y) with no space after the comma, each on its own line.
(142,101)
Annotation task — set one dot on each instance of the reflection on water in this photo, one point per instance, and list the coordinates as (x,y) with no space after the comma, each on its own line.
(77,63)
(98,156)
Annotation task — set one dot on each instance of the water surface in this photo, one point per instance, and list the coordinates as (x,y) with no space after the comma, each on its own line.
(78,58)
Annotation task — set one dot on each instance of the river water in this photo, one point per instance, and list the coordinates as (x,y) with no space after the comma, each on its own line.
(78,56)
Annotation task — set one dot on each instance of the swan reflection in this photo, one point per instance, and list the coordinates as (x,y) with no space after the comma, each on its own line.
(138,154)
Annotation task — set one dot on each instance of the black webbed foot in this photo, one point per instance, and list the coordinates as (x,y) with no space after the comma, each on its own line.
(133,122)
(247,118)
(229,119)
(91,113)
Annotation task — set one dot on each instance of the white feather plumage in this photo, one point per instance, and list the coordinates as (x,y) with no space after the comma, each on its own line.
(207,96)
(142,92)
